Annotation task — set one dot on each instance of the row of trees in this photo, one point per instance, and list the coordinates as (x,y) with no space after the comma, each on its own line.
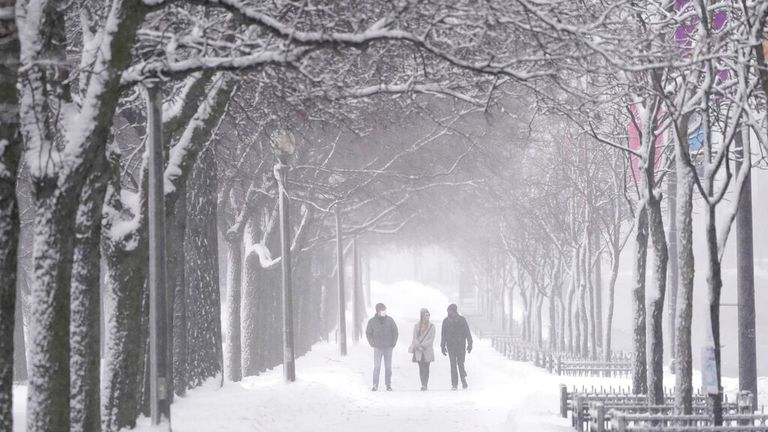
(235,73)
(682,112)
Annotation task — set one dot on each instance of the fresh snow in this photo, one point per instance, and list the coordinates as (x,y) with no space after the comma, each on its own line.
(333,392)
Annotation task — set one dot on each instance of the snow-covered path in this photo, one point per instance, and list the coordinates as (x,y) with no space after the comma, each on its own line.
(333,393)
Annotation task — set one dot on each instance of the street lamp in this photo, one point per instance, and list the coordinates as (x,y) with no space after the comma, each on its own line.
(159,381)
(284,145)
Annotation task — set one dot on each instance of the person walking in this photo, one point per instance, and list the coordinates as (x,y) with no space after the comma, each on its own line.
(381,333)
(455,342)
(421,347)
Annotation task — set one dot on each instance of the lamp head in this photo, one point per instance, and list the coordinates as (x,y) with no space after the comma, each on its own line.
(283,142)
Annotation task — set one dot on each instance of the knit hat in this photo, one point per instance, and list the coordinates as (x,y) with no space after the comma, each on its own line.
(452,307)
(380,307)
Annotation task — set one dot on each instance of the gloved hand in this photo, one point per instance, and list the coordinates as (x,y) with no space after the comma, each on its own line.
(442,350)
(469,349)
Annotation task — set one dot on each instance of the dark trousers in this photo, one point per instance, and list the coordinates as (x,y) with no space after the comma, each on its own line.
(424,373)
(457,361)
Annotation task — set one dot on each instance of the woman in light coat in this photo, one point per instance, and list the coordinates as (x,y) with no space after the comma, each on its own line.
(421,347)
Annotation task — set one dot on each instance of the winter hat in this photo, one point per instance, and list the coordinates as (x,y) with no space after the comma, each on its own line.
(380,307)
(452,307)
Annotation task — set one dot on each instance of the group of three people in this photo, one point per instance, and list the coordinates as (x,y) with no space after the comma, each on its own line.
(455,342)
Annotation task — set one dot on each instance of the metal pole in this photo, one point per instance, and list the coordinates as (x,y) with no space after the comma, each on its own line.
(289,364)
(340,275)
(158,330)
(367,272)
(745,283)
(357,292)
(673,272)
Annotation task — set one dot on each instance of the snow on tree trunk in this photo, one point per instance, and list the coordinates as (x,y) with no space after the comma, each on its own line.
(673,275)
(639,370)
(85,303)
(10,150)
(48,393)
(204,356)
(684,307)
(261,312)
(597,287)
(573,330)
(55,204)
(126,265)
(552,334)
(590,291)
(655,329)
(253,311)
(583,313)
(176,216)
(233,359)
(58,180)
(611,301)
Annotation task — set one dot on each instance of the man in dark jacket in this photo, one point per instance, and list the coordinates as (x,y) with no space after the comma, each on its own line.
(382,336)
(455,339)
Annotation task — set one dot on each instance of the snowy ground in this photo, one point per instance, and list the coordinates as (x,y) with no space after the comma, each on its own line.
(333,393)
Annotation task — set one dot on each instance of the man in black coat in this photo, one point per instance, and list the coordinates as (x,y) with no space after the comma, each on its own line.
(455,342)
(382,336)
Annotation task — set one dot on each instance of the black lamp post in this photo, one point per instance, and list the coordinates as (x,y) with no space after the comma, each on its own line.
(284,145)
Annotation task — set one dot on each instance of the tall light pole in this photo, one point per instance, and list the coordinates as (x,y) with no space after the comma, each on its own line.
(340,275)
(284,145)
(745,281)
(158,329)
(357,293)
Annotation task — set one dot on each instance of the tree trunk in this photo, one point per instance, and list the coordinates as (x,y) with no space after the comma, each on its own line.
(655,329)
(673,273)
(176,292)
(611,301)
(563,319)
(19,341)
(584,321)
(9,210)
(539,322)
(233,366)
(573,330)
(510,329)
(48,392)
(640,371)
(204,356)
(85,324)
(715,283)
(552,322)
(256,308)
(597,290)
(684,306)
(126,278)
